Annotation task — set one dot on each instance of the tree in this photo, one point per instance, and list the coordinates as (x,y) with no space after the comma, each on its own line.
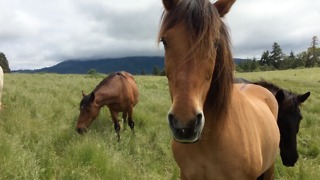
(143,72)
(276,55)
(313,49)
(4,63)
(92,72)
(265,58)
(156,71)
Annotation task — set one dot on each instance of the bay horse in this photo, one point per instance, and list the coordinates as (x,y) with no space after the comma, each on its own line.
(289,117)
(118,92)
(1,85)
(220,130)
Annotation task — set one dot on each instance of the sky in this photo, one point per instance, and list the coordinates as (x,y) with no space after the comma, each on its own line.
(41,33)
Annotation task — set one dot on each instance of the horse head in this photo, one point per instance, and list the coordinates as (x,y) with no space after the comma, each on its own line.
(194,37)
(289,117)
(89,110)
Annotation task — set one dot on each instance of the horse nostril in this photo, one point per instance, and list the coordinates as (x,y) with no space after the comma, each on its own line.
(171,120)
(199,119)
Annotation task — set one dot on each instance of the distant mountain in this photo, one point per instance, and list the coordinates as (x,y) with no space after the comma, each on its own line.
(134,65)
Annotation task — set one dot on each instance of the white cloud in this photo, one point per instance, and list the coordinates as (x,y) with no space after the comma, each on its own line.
(36,34)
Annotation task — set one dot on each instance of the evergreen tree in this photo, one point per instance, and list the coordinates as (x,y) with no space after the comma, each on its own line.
(265,58)
(313,50)
(276,55)
(156,71)
(4,63)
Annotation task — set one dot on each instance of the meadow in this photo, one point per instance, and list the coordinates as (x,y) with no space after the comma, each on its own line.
(38,138)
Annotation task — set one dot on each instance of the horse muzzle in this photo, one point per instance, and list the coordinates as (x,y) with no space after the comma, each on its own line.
(189,132)
(81,130)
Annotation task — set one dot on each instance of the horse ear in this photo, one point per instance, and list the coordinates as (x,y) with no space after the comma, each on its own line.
(303,97)
(92,96)
(280,96)
(169,4)
(223,6)
(83,94)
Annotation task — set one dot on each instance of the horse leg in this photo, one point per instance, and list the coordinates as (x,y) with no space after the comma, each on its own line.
(116,123)
(130,120)
(124,117)
(268,175)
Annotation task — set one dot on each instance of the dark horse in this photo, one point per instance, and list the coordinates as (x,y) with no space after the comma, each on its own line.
(118,92)
(289,117)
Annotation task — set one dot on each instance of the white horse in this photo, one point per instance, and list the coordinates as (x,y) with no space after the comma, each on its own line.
(1,83)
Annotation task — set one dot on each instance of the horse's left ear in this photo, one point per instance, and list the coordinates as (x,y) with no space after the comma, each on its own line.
(280,96)
(169,4)
(303,97)
(83,94)
(223,6)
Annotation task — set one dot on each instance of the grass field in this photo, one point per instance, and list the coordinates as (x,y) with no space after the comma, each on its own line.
(38,138)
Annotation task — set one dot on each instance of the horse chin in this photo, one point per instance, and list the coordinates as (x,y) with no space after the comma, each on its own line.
(187,141)
(189,138)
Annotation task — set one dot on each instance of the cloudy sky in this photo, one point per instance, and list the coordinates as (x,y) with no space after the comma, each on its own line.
(42,33)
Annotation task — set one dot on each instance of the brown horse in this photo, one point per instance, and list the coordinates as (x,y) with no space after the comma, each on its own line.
(220,130)
(118,92)
(289,117)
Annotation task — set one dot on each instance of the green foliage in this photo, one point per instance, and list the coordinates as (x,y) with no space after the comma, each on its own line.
(277,60)
(38,138)
(4,63)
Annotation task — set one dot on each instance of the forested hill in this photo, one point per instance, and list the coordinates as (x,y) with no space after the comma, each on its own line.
(134,65)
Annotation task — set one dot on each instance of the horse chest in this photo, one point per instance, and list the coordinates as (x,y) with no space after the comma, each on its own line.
(214,163)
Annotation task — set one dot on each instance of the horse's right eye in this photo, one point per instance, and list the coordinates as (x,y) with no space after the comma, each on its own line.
(164,42)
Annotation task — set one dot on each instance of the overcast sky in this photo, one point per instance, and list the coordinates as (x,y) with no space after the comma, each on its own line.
(42,33)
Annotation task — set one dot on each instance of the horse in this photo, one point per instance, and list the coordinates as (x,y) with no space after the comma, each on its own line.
(1,84)
(289,117)
(118,92)
(220,130)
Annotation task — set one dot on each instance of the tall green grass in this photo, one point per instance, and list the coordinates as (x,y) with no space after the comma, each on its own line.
(38,138)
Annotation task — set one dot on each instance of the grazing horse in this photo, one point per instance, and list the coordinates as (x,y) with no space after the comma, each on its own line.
(118,92)
(220,130)
(1,84)
(289,117)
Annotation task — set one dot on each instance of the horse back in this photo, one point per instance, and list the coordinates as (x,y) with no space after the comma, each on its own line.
(131,87)
(261,104)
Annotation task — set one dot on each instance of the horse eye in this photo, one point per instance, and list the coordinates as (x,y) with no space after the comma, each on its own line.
(164,42)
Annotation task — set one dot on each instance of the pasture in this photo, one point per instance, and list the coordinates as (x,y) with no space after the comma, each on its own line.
(38,138)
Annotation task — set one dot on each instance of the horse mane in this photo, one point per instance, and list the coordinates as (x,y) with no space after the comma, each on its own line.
(107,79)
(268,85)
(290,102)
(202,21)
(86,100)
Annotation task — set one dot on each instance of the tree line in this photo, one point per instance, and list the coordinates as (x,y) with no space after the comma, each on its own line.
(277,60)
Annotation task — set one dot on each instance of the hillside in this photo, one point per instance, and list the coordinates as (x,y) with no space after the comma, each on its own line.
(134,65)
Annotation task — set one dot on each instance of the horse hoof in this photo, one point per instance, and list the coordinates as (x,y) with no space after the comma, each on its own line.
(131,124)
